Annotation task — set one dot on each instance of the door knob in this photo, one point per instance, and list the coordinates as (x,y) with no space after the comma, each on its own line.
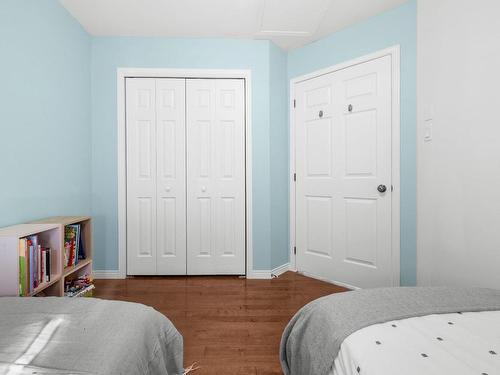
(167,189)
(382,188)
(320,114)
(203,188)
(349,108)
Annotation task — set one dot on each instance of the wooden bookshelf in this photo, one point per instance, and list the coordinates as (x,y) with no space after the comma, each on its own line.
(84,266)
(50,232)
(49,236)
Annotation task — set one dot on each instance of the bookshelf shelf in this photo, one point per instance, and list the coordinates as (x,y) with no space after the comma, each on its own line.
(51,233)
(81,263)
(42,287)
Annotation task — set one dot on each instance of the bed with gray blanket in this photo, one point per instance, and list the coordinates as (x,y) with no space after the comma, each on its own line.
(324,335)
(86,336)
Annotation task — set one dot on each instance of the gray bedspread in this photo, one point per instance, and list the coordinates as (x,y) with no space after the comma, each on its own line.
(86,336)
(312,339)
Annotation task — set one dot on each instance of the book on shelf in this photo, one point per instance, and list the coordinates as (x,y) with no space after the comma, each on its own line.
(23,269)
(34,264)
(79,287)
(74,248)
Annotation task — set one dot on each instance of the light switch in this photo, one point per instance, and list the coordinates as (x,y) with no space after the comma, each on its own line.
(429,112)
(428,131)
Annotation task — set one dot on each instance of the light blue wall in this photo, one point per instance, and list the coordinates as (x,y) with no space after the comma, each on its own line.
(110,53)
(58,129)
(44,112)
(279,157)
(397,26)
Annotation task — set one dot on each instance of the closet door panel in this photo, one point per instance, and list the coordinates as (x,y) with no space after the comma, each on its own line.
(141,176)
(215,176)
(230,173)
(171,176)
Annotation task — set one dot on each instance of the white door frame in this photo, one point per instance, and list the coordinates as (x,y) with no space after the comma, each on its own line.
(122,74)
(394,52)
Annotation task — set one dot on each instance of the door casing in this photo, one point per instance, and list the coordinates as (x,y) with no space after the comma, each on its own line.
(122,74)
(394,53)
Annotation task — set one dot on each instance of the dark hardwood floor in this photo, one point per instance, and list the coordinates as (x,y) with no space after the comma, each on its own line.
(230,325)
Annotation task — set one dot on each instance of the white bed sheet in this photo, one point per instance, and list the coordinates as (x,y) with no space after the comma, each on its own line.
(458,344)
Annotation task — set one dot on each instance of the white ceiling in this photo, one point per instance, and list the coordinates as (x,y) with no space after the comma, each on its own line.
(288,23)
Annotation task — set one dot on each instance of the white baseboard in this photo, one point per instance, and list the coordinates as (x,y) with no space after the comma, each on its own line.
(339,283)
(269,274)
(107,274)
(259,275)
(256,275)
(280,270)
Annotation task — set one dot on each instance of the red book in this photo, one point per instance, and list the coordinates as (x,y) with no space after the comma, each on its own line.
(71,252)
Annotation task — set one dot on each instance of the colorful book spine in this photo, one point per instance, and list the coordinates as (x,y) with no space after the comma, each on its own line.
(71,252)
(43,264)
(31,266)
(81,250)
(47,264)
(77,243)
(39,263)
(72,244)
(34,264)
(66,253)
(35,267)
(22,267)
(36,275)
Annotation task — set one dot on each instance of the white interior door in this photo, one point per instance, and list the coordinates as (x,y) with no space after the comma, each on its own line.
(156,192)
(343,157)
(215,176)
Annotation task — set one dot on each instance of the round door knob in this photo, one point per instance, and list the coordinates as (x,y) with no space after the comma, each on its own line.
(382,188)
(167,189)
(349,108)
(203,188)
(320,114)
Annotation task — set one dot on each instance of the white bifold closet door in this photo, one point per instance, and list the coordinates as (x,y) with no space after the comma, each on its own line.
(185,176)
(216,176)
(156,176)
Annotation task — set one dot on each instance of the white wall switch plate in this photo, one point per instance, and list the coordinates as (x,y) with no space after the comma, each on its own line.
(428,131)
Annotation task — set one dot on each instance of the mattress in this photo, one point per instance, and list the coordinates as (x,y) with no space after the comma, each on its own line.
(313,338)
(458,344)
(86,336)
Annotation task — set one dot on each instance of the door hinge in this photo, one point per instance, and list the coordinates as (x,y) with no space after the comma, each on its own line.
(295,176)
(294,103)
(295,250)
